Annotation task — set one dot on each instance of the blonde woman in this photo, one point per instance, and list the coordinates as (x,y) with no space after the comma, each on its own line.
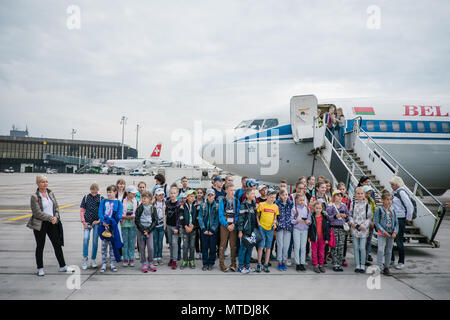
(403,208)
(340,126)
(45,221)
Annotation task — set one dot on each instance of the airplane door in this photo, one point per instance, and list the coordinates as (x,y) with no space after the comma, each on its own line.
(303,112)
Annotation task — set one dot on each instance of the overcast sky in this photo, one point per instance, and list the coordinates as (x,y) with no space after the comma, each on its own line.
(164,64)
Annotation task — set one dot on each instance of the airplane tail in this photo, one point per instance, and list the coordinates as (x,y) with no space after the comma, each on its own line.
(157,151)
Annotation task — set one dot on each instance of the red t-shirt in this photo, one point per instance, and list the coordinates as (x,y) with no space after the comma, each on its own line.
(319,227)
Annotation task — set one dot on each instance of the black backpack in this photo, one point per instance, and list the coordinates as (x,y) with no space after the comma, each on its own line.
(413,201)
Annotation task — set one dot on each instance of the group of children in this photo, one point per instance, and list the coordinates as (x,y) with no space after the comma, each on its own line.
(312,219)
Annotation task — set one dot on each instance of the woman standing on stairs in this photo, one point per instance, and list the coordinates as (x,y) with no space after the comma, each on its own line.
(404,209)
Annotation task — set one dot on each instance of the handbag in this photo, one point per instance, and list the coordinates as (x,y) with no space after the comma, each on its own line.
(346,227)
(107,233)
(332,242)
(253,239)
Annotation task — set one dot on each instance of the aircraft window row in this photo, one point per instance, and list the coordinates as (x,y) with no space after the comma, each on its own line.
(258,124)
(383,126)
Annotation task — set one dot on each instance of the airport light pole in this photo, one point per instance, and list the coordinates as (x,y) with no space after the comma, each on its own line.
(73,132)
(137,139)
(123,122)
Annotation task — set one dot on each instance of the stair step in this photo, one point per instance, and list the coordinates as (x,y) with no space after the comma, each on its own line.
(414,236)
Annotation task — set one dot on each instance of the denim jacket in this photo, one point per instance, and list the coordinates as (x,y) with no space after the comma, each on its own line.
(381,220)
(208,217)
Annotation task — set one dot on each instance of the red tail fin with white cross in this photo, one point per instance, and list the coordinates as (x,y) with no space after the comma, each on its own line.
(157,151)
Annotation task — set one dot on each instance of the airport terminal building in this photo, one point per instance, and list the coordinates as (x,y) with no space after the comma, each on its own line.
(28,154)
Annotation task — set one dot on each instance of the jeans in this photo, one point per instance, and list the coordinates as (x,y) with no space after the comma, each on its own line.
(173,242)
(149,242)
(283,240)
(158,236)
(400,239)
(86,236)
(188,245)
(208,249)
(369,243)
(385,246)
(267,238)
(129,238)
(52,231)
(359,248)
(300,241)
(318,252)
(245,254)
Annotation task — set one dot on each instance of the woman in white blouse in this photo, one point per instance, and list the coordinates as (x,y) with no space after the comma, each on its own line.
(44,221)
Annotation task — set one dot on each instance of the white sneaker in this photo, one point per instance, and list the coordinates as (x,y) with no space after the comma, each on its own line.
(41,272)
(113,267)
(160,261)
(289,262)
(103,268)
(137,256)
(85,263)
(93,264)
(66,269)
(399,266)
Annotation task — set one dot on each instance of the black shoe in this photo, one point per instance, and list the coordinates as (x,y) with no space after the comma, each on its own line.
(335,269)
(362,271)
(322,269)
(368,264)
(302,267)
(205,268)
(297,267)
(266,268)
(386,272)
(369,258)
(340,269)
(357,270)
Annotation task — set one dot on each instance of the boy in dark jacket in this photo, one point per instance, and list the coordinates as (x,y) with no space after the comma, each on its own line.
(208,220)
(246,224)
(145,220)
(319,235)
(188,217)
(172,227)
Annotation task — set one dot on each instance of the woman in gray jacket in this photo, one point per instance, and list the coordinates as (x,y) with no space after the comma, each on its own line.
(44,221)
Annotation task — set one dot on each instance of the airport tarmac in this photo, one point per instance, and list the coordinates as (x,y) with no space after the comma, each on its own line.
(426,274)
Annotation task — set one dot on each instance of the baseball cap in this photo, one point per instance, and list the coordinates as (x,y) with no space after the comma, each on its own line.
(250,183)
(159,191)
(131,189)
(367,188)
(218,178)
(261,186)
(210,191)
(182,195)
(189,192)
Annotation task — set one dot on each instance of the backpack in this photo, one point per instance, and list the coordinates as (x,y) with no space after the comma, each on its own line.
(367,208)
(413,201)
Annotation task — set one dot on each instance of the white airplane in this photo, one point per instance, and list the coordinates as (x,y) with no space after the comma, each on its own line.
(131,164)
(415,133)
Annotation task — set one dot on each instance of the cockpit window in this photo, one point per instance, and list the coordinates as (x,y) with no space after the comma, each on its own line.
(244,124)
(270,123)
(256,124)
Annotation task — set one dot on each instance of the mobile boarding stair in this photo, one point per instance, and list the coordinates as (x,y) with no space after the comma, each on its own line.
(364,156)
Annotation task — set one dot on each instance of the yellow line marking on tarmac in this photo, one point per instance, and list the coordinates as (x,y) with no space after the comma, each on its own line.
(29,215)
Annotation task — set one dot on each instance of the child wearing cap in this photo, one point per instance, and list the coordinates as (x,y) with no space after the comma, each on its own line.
(246,224)
(146,220)
(128,227)
(266,217)
(338,214)
(228,218)
(262,189)
(158,235)
(198,233)
(217,187)
(188,217)
(208,220)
